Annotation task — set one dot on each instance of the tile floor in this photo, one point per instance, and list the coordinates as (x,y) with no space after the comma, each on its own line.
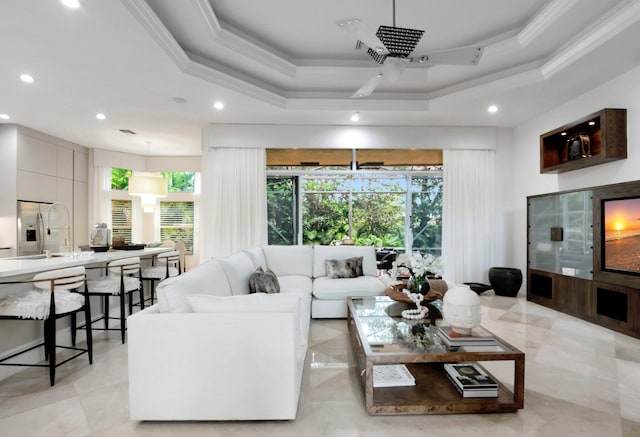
(581,380)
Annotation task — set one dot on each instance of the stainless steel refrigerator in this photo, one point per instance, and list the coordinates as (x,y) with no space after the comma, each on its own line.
(32,228)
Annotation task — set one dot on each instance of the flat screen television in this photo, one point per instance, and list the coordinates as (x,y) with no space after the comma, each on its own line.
(620,235)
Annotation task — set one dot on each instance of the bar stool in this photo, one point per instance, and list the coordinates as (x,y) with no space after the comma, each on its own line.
(122,278)
(55,296)
(163,265)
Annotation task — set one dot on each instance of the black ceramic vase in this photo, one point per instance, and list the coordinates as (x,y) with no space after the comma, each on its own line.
(505,281)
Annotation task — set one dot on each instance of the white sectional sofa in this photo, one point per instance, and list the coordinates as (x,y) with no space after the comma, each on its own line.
(209,350)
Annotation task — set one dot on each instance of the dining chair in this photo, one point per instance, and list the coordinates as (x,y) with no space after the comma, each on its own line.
(122,279)
(55,294)
(163,265)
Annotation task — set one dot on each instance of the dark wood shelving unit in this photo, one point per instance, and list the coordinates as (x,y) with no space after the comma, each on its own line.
(607,133)
(603,295)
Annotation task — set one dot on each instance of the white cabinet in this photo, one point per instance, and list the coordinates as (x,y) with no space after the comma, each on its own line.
(80,166)
(36,155)
(65,163)
(80,212)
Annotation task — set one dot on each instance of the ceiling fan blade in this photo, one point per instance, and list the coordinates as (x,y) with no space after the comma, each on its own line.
(366,89)
(393,68)
(459,56)
(363,33)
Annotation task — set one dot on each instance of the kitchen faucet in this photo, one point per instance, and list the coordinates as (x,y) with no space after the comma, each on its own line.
(69,237)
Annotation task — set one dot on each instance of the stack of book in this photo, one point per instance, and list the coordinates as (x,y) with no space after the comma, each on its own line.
(478,337)
(471,380)
(392,375)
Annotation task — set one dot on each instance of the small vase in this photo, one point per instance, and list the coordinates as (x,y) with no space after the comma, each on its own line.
(425,287)
(419,285)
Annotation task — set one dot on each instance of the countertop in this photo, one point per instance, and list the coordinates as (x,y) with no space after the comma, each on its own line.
(17,267)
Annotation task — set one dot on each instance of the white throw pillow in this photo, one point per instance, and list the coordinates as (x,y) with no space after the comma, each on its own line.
(258,302)
(207,278)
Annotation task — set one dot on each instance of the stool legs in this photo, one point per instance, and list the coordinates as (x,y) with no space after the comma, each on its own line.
(122,315)
(51,341)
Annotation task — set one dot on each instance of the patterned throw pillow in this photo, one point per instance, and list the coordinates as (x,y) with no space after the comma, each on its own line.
(343,268)
(263,282)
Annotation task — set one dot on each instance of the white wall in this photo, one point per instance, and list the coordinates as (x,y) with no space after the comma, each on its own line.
(523,178)
(347,137)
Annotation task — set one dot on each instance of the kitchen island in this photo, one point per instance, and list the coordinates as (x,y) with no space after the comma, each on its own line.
(28,265)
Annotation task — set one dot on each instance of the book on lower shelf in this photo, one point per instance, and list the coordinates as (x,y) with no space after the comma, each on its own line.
(478,336)
(392,375)
(471,380)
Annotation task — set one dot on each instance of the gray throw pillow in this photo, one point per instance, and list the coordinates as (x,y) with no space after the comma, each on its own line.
(343,268)
(263,282)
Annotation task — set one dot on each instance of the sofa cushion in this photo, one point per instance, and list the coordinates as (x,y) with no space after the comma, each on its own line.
(289,260)
(258,302)
(299,283)
(263,282)
(343,268)
(238,267)
(333,289)
(207,278)
(322,253)
(257,257)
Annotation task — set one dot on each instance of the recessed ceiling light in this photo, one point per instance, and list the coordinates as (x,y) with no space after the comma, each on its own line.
(492,109)
(592,123)
(218,105)
(563,134)
(71,3)
(355,117)
(101,116)
(5,116)
(27,78)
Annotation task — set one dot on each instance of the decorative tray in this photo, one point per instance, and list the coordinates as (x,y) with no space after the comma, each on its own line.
(395,293)
(438,289)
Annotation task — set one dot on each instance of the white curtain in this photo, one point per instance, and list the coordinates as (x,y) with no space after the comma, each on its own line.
(468,214)
(100,189)
(234,200)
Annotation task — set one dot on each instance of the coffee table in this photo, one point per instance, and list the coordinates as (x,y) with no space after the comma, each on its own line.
(371,320)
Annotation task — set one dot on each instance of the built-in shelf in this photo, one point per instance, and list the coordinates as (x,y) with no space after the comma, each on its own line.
(566,258)
(595,139)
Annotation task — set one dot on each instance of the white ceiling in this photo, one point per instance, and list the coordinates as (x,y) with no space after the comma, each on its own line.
(287,62)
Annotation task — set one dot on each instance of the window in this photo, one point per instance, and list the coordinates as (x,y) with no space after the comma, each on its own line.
(120,178)
(392,198)
(176,223)
(121,220)
(180,181)
(282,210)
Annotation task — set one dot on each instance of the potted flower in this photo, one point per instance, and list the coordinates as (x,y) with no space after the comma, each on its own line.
(417,269)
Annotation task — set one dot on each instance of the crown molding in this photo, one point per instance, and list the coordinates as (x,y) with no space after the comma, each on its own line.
(156,29)
(241,45)
(610,25)
(551,13)
(617,20)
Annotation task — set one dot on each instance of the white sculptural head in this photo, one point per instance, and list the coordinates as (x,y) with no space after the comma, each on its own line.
(461,309)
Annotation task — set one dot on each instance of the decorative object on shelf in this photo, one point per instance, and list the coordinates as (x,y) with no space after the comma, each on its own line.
(418,336)
(396,293)
(417,313)
(579,146)
(506,281)
(461,309)
(418,268)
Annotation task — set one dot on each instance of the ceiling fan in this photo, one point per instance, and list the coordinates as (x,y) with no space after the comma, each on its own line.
(392,47)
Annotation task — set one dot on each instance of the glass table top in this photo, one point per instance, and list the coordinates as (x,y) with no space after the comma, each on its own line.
(382,327)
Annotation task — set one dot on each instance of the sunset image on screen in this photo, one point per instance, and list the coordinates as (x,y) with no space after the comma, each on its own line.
(622,234)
